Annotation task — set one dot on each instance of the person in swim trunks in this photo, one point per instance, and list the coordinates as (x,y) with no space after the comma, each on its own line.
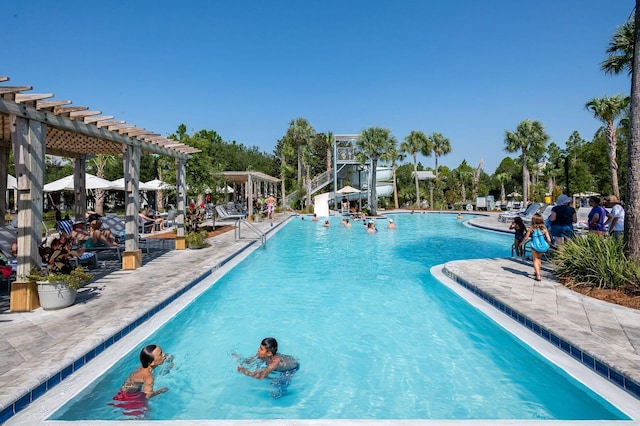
(286,365)
(138,388)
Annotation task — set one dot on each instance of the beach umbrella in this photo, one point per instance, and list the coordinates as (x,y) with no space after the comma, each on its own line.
(12,182)
(348,190)
(157,184)
(119,184)
(223,190)
(514,195)
(67,184)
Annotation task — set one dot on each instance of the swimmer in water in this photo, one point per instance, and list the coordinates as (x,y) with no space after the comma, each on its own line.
(138,387)
(271,360)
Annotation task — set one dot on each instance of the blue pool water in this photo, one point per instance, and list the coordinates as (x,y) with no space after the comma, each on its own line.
(376,335)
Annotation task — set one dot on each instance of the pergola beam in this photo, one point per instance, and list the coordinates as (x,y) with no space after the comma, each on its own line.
(78,127)
(30,97)
(50,104)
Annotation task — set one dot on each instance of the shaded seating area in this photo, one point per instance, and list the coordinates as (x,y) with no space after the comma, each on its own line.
(32,125)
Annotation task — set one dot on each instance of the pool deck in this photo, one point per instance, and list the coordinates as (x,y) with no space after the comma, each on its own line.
(35,346)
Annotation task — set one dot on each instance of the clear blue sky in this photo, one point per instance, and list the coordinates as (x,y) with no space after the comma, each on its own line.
(470,70)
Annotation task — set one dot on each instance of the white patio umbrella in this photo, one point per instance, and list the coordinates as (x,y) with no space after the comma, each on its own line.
(119,184)
(67,184)
(223,190)
(348,190)
(158,184)
(12,182)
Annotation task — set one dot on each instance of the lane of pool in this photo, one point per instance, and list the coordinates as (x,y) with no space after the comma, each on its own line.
(69,386)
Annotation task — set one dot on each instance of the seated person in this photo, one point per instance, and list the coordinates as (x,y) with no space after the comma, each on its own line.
(99,237)
(148,216)
(58,256)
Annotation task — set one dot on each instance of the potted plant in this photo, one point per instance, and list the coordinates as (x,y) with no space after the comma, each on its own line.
(58,283)
(197,239)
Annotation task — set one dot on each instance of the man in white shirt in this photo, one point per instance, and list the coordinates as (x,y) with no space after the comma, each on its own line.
(615,219)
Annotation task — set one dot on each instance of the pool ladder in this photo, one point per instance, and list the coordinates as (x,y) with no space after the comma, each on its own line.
(238,234)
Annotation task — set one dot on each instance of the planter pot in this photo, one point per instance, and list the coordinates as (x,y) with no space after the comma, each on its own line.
(55,295)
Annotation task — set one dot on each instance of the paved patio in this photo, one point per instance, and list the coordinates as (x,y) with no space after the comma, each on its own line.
(37,345)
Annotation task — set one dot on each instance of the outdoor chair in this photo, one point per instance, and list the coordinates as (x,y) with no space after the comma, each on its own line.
(223,215)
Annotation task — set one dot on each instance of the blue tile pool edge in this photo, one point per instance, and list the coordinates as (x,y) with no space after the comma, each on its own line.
(611,374)
(23,401)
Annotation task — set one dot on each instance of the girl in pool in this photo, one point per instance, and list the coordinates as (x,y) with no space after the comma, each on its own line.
(138,387)
(268,356)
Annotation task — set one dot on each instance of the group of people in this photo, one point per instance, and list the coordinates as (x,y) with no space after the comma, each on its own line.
(370,225)
(138,388)
(266,206)
(559,226)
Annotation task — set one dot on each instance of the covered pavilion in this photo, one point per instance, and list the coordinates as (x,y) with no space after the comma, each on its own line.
(252,185)
(33,125)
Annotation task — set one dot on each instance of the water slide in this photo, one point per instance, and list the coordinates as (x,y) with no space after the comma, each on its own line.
(321,204)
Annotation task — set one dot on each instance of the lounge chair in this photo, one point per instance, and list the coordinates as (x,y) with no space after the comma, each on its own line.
(529,211)
(223,215)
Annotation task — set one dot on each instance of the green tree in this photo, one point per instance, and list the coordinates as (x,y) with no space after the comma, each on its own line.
(620,49)
(632,210)
(608,110)
(529,137)
(393,155)
(101,161)
(373,143)
(300,133)
(414,143)
(441,146)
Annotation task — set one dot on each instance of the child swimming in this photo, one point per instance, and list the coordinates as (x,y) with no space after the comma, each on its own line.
(138,387)
(270,361)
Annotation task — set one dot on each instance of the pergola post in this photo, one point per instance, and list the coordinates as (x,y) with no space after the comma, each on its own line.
(181,199)
(132,256)
(80,187)
(28,139)
(4,171)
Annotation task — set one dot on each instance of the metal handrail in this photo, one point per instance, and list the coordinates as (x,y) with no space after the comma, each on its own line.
(237,232)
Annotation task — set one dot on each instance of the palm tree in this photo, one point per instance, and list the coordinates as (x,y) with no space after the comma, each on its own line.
(374,142)
(285,169)
(503,178)
(101,161)
(529,136)
(413,144)
(300,133)
(607,110)
(632,210)
(620,50)
(394,155)
(328,140)
(440,146)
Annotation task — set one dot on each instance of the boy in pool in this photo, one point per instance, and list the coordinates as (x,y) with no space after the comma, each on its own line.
(286,365)
(138,387)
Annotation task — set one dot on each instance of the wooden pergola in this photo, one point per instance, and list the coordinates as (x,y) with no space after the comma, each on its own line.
(254,183)
(33,125)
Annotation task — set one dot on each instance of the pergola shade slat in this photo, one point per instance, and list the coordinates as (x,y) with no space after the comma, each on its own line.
(31,97)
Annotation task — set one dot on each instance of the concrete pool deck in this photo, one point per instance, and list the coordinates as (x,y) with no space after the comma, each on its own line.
(37,345)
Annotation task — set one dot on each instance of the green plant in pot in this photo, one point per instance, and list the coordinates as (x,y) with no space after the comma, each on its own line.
(58,283)
(197,240)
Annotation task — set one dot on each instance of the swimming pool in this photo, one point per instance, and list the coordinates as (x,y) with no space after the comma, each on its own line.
(377,336)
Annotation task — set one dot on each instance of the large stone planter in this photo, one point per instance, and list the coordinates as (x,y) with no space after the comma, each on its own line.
(55,295)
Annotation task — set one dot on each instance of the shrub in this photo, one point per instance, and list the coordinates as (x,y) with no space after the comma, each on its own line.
(197,239)
(596,261)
